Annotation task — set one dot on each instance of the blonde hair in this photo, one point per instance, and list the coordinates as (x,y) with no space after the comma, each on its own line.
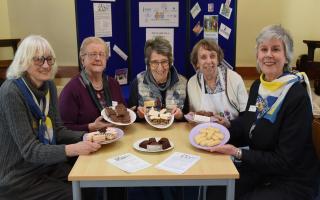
(31,46)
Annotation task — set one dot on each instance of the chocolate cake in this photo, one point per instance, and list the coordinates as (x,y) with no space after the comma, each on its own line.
(152,142)
(165,143)
(121,110)
(119,114)
(144,144)
(204,113)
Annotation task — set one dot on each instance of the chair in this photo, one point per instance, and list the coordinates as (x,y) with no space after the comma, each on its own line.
(306,62)
(316,135)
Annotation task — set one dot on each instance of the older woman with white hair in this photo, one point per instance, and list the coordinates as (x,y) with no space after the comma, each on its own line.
(281,161)
(86,94)
(34,144)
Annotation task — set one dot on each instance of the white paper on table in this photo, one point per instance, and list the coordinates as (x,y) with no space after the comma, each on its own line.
(178,162)
(129,162)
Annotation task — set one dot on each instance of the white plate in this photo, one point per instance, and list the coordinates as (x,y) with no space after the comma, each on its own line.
(160,126)
(136,145)
(120,133)
(132,114)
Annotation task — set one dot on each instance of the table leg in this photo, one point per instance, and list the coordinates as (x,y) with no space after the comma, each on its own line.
(76,190)
(204,192)
(230,190)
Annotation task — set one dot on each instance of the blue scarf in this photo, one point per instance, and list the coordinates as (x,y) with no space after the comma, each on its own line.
(271,94)
(45,133)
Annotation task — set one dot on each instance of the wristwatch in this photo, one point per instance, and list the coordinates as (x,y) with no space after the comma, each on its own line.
(238,154)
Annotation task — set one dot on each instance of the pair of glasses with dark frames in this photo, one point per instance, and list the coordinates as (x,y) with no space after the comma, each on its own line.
(40,60)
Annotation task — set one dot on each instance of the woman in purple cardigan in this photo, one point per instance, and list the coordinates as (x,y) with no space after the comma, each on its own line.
(83,98)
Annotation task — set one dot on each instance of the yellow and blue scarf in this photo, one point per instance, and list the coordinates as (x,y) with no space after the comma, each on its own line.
(39,112)
(271,94)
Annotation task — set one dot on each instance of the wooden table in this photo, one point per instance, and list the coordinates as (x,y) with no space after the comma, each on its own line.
(94,171)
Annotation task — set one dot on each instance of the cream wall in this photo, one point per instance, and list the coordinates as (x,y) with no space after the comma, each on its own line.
(299,17)
(55,20)
(5,53)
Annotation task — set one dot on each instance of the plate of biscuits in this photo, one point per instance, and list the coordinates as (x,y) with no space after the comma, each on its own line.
(105,136)
(159,119)
(207,135)
(153,144)
(119,115)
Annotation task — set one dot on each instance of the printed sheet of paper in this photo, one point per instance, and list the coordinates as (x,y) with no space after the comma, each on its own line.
(210,24)
(225,11)
(105,0)
(120,52)
(224,31)
(167,33)
(158,14)
(128,163)
(195,10)
(178,162)
(102,19)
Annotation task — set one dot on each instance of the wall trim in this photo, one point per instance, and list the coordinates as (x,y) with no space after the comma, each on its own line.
(248,72)
(70,71)
(63,71)
(67,71)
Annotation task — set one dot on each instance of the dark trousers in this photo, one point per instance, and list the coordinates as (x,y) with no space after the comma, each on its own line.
(155,193)
(50,184)
(251,186)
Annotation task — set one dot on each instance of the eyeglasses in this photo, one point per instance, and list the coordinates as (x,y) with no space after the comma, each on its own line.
(40,60)
(156,63)
(94,55)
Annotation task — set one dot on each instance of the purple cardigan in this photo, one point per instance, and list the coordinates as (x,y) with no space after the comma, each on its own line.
(76,107)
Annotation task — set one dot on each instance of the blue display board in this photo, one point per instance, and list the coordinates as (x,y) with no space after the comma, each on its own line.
(120,34)
(131,37)
(226,17)
(138,35)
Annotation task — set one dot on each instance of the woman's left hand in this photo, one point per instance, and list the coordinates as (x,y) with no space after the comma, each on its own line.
(177,113)
(227,149)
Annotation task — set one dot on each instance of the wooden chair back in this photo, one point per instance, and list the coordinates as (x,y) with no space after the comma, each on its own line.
(316,135)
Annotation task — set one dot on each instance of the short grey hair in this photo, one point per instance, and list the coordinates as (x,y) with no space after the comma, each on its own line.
(92,40)
(159,45)
(31,46)
(277,32)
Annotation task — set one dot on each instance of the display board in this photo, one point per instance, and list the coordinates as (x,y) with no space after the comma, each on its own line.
(92,18)
(182,22)
(215,20)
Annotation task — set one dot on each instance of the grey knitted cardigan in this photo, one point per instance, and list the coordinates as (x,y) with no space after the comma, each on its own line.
(22,156)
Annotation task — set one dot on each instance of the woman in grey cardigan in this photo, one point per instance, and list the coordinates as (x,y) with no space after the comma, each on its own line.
(34,144)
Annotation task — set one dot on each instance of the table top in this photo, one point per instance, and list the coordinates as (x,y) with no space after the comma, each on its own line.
(95,166)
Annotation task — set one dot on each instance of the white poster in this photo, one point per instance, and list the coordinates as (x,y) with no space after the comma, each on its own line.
(158,14)
(167,33)
(195,10)
(210,24)
(224,31)
(102,19)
